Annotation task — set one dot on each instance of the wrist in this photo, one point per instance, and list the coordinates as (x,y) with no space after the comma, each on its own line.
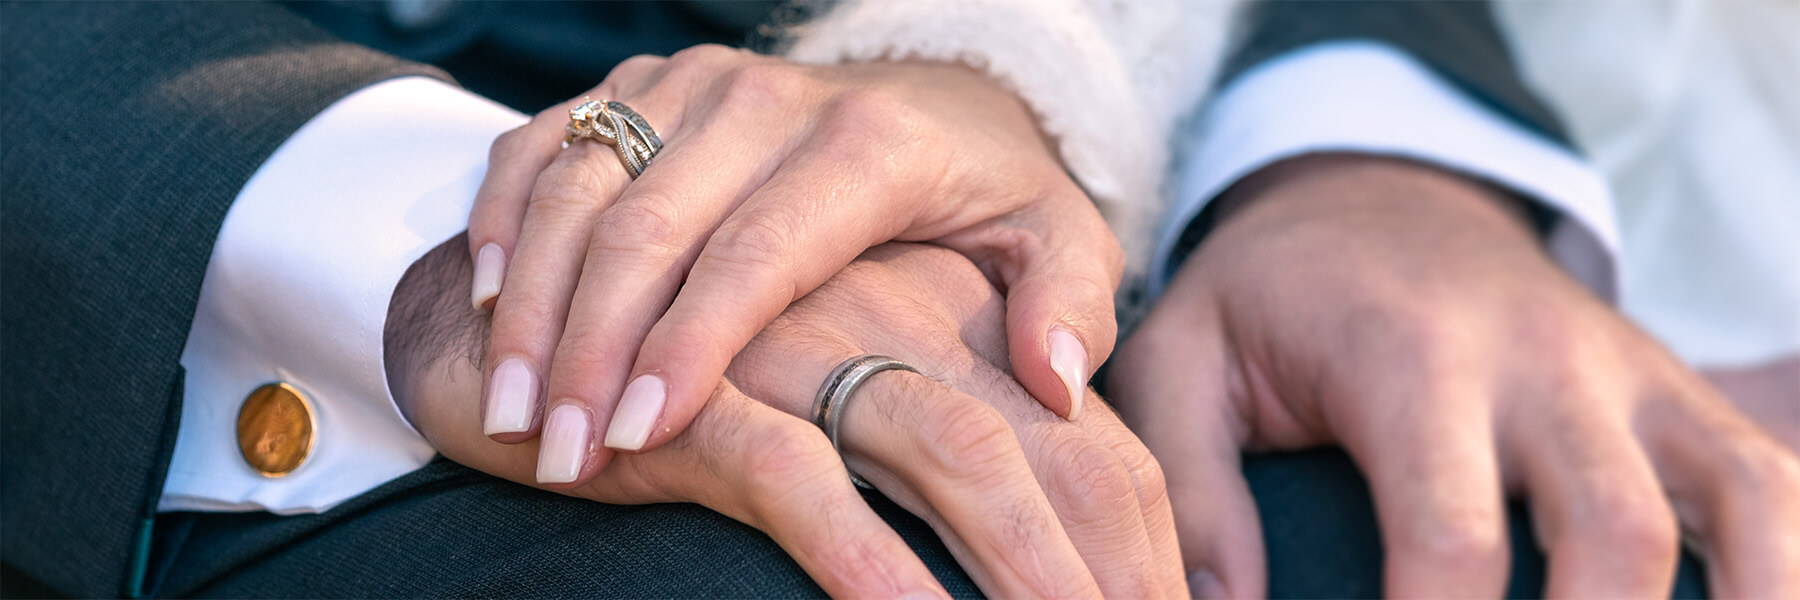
(1357,187)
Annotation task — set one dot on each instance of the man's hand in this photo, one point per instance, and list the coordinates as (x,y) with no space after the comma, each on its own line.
(1407,315)
(627,299)
(1031,505)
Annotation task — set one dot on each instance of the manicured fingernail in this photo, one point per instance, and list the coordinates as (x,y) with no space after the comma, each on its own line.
(1070,362)
(490,270)
(637,412)
(511,399)
(1203,584)
(565,444)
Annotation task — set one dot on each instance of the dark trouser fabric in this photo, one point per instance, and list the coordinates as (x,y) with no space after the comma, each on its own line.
(1323,542)
(449,531)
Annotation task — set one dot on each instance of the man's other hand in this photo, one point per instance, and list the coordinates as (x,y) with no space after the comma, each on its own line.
(1409,315)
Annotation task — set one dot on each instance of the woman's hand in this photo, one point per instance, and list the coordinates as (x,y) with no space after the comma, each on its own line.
(1031,505)
(1407,315)
(627,299)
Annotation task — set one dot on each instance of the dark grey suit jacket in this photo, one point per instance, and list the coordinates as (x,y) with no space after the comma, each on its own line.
(129,128)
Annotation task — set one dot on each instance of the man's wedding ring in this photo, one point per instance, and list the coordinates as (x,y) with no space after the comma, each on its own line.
(828,405)
(617,125)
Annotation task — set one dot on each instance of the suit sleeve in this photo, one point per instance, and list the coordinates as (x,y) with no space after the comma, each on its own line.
(128,130)
(1459,41)
(1428,81)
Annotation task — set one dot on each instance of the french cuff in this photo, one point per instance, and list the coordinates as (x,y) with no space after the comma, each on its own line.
(297,291)
(1367,97)
(1053,54)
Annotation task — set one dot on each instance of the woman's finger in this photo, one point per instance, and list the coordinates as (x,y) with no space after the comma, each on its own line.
(1060,323)
(514,162)
(639,253)
(528,319)
(536,189)
(821,208)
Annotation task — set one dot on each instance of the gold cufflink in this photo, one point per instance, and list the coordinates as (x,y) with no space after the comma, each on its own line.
(275,429)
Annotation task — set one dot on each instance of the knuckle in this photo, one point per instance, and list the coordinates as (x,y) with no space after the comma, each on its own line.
(1408,332)
(510,143)
(567,183)
(639,63)
(875,130)
(639,223)
(583,351)
(702,54)
(762,85)
(876,110)
(1148,476)
(792,452)
(1762,471)
(965,439)
(1458,544)
(759,241)
(1091,480)
(1644,530)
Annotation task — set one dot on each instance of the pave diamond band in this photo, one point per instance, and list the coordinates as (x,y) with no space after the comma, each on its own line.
(617,125)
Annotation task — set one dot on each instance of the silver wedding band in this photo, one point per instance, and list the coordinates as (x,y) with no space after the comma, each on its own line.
(828,405)
(617,125)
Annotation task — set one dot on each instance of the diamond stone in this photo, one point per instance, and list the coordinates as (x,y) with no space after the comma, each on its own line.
(587,111)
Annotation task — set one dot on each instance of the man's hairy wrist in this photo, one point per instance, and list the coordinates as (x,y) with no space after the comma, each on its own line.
(429,320)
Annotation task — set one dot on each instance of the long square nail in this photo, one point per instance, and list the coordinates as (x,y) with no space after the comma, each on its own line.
(638,409)
(565,444)
(511,399)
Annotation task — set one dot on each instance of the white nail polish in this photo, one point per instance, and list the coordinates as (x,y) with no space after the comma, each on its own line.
(638,409)
(511,399)
(490,270)
(565,445)
(1069,359)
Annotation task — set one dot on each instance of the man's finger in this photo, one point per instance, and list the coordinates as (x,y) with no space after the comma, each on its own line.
(1154,500)
(781,475)
(955,462)
(1599,511)
(1736,489)
(1432,469)
(814,216)
(1220,533)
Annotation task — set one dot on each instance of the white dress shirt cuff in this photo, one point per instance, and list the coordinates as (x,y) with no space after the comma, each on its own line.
(1369,98)
(298,285)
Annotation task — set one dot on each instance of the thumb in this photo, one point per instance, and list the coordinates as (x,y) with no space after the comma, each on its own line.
(1060,324)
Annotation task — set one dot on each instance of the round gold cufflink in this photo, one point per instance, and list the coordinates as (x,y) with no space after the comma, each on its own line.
(275,429)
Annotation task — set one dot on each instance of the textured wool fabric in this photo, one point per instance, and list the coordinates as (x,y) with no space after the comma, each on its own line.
(128,130)
(447,531)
